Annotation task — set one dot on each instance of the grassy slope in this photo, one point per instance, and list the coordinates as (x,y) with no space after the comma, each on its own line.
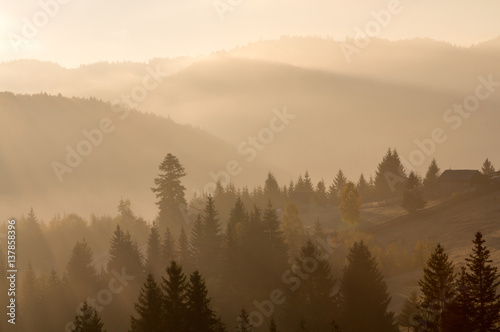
(451,222)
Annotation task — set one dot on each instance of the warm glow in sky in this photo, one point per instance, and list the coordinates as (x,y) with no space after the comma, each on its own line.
(72,32)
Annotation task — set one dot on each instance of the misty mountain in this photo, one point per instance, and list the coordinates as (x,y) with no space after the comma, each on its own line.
(393,92)
(80,155)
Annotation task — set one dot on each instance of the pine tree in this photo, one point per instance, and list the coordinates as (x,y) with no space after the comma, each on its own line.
(88,321)
(350,204)
(153,253)
(314,298)
(148,308)
(233,265)
(238,216)
(197,238)
(409,312)
(212,238)
(482,283)
(174,302)
(461,308)
(438,291)
(31,228)
(271,189)
(431,179)
(321,197)
(124,255)
(168,248)
(125,259)
(291,190)
(31,301)
(244,322)
(389,176)
(308,190)
(126,216)
(487,168)
(363,294)
(363,188)
(80,271)
(199,316)
(337,187)
(54,301)
(183,251)
(170,192)
(275,248)
(254,249)
(413,198)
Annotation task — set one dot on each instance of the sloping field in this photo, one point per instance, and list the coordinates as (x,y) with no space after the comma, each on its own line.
(452,223)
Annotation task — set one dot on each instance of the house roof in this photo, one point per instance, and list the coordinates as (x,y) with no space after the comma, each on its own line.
(460,175)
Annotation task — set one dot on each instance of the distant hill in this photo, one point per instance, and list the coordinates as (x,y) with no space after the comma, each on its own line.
(393,92)
(427,62)
(36,131)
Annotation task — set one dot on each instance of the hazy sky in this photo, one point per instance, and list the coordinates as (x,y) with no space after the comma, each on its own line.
(84,31)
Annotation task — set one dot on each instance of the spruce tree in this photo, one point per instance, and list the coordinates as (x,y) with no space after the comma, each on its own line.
(196,242)
(271,189)
(238,216)
(274,242)
(487,168)
(462,307)
(199,316)
(80,271)
(174,301)
(170,192)
(300,191)
(253,244)
(88,320)
(307,190)
(183,253)
(313,300)
(55,301)
(363,294)
(320,195)
(124,255)
(409,312)
(291,190)
(233,265)
(31,228)
(438,291)
(431,179)
(244,322)
(389,176)
(125,213)
(363,188)
(168,248)
(148,308)
(413,198)
(212,238)
(482,283)
(153,253)
(337,187)
(30,301)
(350,204)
